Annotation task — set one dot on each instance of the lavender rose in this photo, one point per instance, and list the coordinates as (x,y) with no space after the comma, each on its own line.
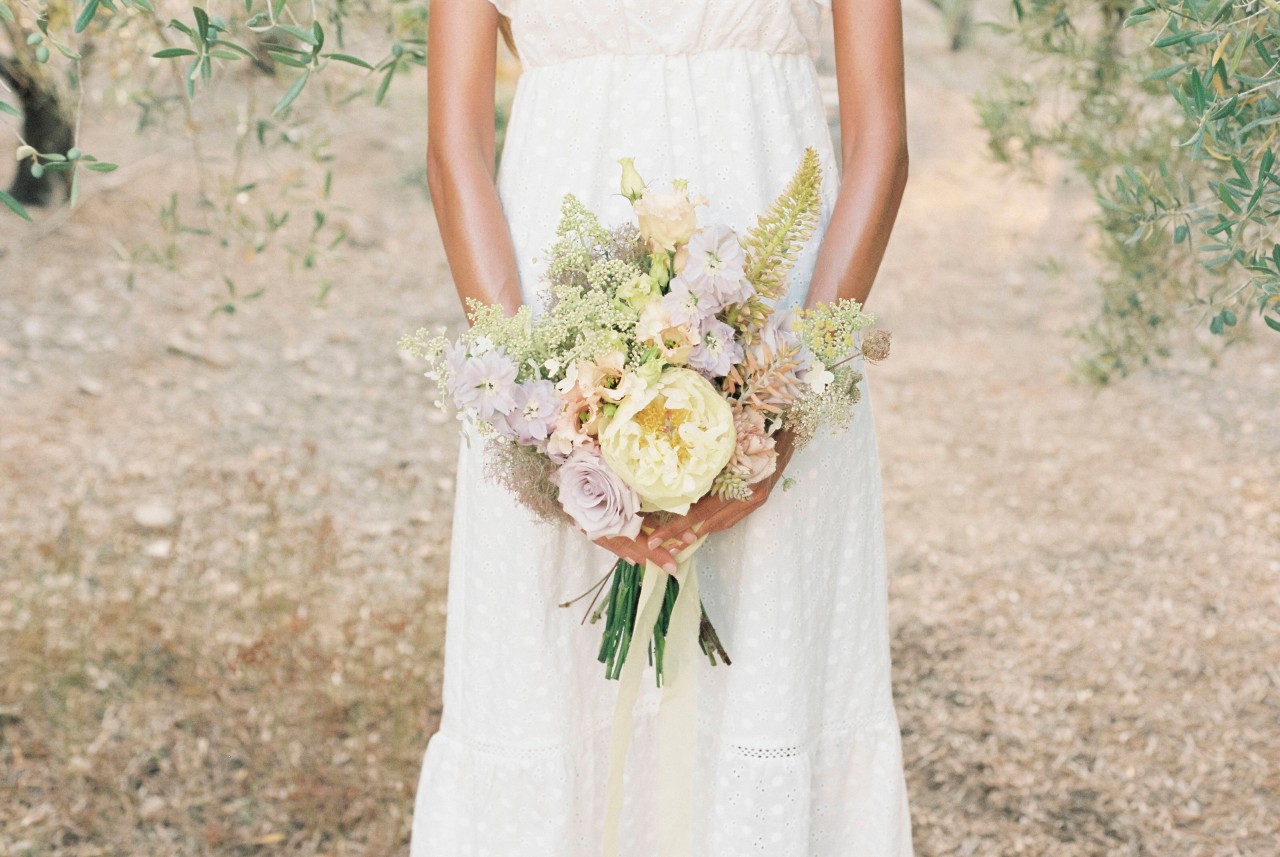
(595,498)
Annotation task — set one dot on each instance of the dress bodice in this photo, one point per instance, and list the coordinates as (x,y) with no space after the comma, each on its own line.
(552,31)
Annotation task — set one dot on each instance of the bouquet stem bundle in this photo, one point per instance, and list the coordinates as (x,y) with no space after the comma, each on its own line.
(619,613)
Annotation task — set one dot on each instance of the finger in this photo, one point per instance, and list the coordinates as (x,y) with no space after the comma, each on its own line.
(663,559)
(676,529)
(666,531)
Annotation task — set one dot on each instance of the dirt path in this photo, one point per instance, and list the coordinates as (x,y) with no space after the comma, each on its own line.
(225,540)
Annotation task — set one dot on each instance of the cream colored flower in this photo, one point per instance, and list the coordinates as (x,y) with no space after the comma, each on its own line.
(818,377)
(667,220)
(670,441)
(632,184)
(639,291)
(681,258)
(675,342)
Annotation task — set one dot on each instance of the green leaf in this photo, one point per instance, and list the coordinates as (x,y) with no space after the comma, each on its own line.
(6,14)
(293,92)
(1175,39)
(286,59)
(9,108)
(298,33)
(386,82)
(67,51)
(1271,322)
(14,206)
(347,58)
(202,23)
(1166,73)
(1224,194)
(227,44)
(102,166)
(86,15)
(169,53)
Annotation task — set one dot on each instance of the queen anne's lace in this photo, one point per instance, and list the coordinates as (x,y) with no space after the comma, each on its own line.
(799,746)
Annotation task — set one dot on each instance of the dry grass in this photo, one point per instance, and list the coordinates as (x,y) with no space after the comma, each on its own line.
(1085,589)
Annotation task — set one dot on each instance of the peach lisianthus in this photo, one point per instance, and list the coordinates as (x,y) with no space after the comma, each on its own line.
(675,342)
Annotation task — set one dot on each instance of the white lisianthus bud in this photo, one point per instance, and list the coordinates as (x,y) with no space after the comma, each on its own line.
(24,152)
(632,184)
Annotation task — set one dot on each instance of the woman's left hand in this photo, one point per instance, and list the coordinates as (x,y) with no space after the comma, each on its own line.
(712,514)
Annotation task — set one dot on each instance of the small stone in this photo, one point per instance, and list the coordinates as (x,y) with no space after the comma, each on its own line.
(159,549)
(154,516)
(151,807)
(89,386)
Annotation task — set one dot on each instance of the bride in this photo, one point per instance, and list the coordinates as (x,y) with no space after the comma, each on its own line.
(799,750)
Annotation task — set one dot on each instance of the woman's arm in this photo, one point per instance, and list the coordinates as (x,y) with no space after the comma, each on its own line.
(873,133)
(462,44)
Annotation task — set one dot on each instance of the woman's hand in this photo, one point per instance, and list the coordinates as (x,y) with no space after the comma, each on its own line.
(712,514)
(637,551)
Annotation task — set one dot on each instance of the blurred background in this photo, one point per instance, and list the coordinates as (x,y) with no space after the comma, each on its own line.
(225,494)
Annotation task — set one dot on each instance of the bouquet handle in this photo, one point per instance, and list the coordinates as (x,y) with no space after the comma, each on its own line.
(677,710)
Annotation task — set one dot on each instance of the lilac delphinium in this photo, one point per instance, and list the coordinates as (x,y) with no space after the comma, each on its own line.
(715,268)
(777,332)
(486,384)
(455,358)
(686,304)
(717,351)
(537,407)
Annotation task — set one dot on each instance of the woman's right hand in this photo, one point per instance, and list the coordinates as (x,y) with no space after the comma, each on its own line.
(637,551)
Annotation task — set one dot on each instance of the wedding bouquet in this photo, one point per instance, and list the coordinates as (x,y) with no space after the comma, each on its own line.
(660,370)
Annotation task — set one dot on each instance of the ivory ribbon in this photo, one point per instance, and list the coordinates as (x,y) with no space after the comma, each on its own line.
(677,709)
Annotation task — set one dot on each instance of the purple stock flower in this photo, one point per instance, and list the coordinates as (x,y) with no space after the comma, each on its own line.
(715,269)
(537,407)
(455,357)
(717,351)
(685,304)
(485,383)
(596,498)
(777,332)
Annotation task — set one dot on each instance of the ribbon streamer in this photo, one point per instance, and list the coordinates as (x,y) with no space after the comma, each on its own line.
(677,709)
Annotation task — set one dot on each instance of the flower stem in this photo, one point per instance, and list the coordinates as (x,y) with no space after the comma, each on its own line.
(619,611)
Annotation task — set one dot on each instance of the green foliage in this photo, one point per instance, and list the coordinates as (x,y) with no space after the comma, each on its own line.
(1170,110)
(781,232)
(277,170)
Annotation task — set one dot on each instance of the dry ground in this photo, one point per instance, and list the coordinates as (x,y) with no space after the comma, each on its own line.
(223,539)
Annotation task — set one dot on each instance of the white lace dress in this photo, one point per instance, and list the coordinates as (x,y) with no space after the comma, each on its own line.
(800,752)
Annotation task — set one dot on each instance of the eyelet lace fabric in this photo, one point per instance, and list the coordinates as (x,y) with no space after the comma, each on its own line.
(799,749)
